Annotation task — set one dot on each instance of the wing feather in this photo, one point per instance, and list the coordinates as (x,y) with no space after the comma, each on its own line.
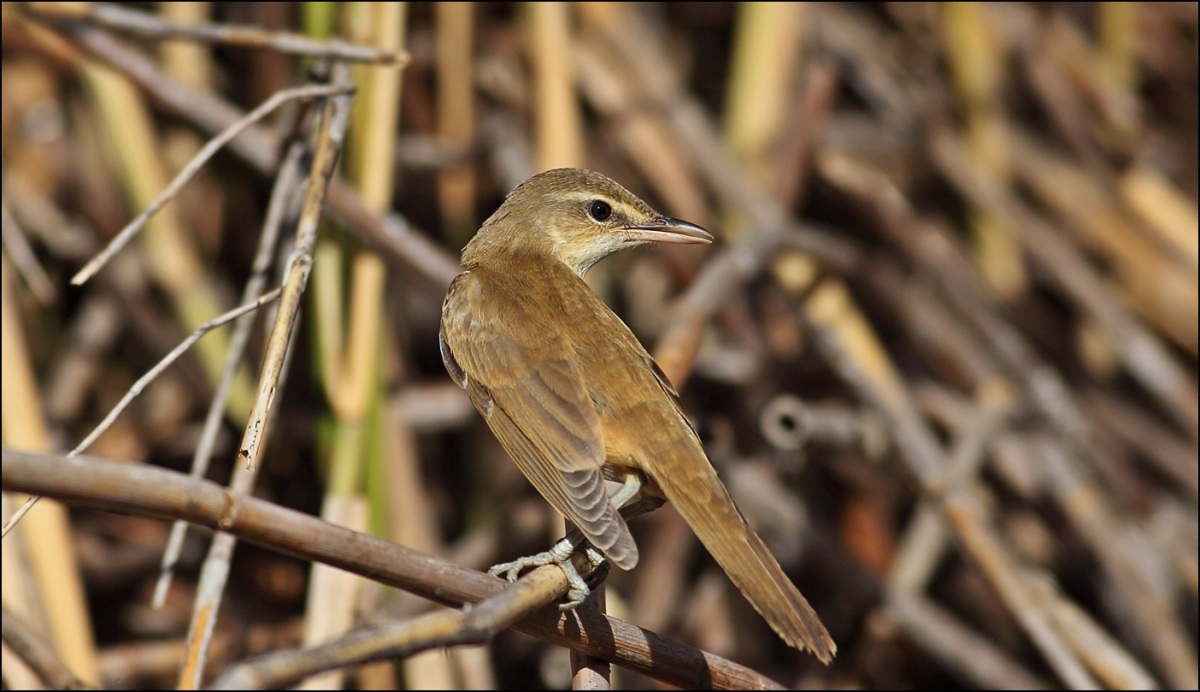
(538,408)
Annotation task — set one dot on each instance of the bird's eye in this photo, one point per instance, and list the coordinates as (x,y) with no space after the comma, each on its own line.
(599,210)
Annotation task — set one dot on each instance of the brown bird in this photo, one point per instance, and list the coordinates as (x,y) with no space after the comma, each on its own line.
(573,396)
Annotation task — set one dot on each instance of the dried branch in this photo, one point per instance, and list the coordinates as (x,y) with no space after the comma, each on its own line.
(126,488)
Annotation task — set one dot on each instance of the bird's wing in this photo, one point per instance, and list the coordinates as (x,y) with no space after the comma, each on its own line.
(539,409)
(670,391)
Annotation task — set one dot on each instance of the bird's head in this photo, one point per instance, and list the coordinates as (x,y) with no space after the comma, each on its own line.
(579,217)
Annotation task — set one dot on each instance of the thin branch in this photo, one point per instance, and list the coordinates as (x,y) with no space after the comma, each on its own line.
(390,234)
(23,258)
(471,626)
(285,188)
(144,381)
(151,26)
(330,136)
(192,169)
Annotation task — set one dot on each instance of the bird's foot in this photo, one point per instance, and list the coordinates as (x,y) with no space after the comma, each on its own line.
(559,554)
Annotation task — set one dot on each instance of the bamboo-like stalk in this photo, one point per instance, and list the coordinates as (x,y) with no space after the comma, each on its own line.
(170,254)
(765,62)
(46,533)
(1165,209)
(558,127)
(642,134)
(1162,289)
(456,115)
(1115,110)
(351,364)
(190,63)
(976,58)
(334,117)
(1118,29)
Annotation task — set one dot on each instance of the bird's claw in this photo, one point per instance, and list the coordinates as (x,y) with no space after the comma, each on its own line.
(559,554)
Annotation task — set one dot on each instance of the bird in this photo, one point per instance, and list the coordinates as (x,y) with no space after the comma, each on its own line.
(574,398)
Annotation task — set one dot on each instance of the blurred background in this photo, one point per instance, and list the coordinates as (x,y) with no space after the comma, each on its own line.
(943,351)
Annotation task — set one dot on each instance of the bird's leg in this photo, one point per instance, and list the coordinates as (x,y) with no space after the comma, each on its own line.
(559,554)
(629,489)
(631,501)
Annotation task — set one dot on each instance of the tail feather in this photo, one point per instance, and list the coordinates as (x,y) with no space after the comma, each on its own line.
(702,500)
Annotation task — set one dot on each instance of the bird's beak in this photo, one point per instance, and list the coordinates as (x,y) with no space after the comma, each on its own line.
(667,230)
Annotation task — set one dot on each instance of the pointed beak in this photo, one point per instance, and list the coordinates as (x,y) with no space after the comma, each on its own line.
(667,230)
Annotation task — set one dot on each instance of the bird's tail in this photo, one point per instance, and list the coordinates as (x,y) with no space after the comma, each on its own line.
(700,497)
